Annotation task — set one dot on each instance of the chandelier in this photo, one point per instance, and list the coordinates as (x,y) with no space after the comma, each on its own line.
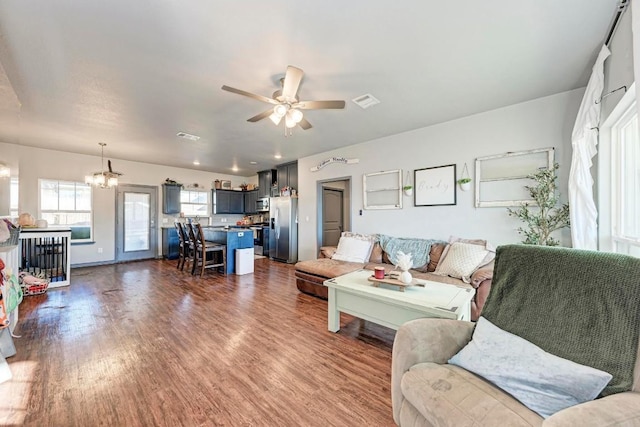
(104,178)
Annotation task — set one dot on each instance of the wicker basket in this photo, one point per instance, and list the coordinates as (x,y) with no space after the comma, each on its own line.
(12,241)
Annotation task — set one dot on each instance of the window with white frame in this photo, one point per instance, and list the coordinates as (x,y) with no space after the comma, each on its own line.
(625,180)
(194,203)
(64,203)
(13,197)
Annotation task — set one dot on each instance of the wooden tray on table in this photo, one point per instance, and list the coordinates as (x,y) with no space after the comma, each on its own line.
(392,281)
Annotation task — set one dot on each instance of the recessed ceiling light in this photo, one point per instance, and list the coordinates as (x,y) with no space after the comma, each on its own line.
(197,163)
(188,136)
(235,169)
(253,163)
(278,156)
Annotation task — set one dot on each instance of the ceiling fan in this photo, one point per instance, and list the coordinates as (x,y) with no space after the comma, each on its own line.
(287,106)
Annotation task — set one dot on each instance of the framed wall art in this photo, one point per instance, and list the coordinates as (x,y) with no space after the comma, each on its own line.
(435,186)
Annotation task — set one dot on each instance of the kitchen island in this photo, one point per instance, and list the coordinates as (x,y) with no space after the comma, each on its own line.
(233,237)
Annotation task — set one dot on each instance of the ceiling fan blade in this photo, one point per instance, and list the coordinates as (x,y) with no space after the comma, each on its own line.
(261,116)
(250,95)
(291,82)
(319,105)
(304,124)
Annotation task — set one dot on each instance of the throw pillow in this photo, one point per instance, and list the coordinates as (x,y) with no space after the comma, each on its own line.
(461,260)
(481,242)
(353,249)
(543,382)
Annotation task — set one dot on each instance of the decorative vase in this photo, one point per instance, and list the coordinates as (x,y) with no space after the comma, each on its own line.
(466,186)
(405,277)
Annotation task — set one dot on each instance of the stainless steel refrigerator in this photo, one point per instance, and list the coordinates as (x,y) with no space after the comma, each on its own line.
(283,229)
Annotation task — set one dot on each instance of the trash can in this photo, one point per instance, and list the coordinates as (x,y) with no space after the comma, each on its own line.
(244,261)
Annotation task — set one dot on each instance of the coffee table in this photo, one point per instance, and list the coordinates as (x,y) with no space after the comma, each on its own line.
(352,293)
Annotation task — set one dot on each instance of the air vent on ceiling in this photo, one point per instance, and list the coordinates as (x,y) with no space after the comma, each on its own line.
(365,101)
(188,136)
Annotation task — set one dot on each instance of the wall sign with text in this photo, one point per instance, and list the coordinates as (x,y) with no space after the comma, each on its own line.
(435,186)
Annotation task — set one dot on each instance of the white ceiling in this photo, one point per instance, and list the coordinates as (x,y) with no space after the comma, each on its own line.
(134,73)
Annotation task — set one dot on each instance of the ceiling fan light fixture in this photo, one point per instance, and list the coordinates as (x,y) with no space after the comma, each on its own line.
(280,110)
(296,115)
(289,122)
(275,118)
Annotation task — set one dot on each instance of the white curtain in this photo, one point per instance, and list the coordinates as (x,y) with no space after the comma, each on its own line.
(584,140)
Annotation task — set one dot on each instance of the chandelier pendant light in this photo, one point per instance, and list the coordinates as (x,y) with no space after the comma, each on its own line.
(105,178)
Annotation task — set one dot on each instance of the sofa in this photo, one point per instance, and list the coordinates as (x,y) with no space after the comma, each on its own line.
(311,274)
(541,368)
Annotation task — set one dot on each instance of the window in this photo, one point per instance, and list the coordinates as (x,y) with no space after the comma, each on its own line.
(64,203)
(625,167)
(194,203)
(13,198)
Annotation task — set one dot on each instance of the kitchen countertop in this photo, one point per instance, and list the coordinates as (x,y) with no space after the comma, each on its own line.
(233,229)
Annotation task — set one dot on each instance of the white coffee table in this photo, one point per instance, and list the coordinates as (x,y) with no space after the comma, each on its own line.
(352,293)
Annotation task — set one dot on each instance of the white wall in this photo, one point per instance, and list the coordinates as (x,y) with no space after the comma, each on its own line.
(618,68)
(36,163)
(545,122)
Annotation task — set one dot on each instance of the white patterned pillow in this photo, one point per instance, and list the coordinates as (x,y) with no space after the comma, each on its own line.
(461,260)
(353,249)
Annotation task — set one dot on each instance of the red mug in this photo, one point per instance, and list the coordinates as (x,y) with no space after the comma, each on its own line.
(379,273)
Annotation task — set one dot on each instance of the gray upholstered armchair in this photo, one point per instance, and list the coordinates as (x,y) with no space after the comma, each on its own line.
(582,306)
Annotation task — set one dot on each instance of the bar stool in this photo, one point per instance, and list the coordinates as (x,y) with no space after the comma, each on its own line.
(184,248)
(190,239)
(204,248)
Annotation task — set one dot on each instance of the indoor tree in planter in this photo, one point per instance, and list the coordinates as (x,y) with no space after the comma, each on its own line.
(545,218)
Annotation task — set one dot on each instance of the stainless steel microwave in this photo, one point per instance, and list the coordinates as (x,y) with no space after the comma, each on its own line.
(262,205)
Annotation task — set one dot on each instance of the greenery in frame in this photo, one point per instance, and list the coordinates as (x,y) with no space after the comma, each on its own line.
(545,218)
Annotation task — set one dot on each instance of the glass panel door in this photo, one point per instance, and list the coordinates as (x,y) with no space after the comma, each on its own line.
(136,222)
(136,232)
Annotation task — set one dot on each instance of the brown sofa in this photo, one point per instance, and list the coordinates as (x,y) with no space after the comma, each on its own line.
(311,274)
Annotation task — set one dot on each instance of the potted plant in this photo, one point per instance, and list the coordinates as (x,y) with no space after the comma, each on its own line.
(408,190)
(545,218)
(465,184)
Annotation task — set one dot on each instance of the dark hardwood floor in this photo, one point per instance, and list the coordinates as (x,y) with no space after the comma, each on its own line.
(142,344)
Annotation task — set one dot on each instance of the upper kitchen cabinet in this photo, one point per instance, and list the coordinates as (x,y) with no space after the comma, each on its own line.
(228,202)
(250,201)
(288,175)
(171,198)
(266,179)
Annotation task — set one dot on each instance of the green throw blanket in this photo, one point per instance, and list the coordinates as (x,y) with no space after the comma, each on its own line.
(418,248)
(580,305)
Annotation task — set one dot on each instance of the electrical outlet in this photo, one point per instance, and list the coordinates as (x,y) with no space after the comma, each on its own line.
(165,220)
(99,250)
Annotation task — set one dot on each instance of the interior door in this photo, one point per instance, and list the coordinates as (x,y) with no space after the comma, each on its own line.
(136,231)
(332,216)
